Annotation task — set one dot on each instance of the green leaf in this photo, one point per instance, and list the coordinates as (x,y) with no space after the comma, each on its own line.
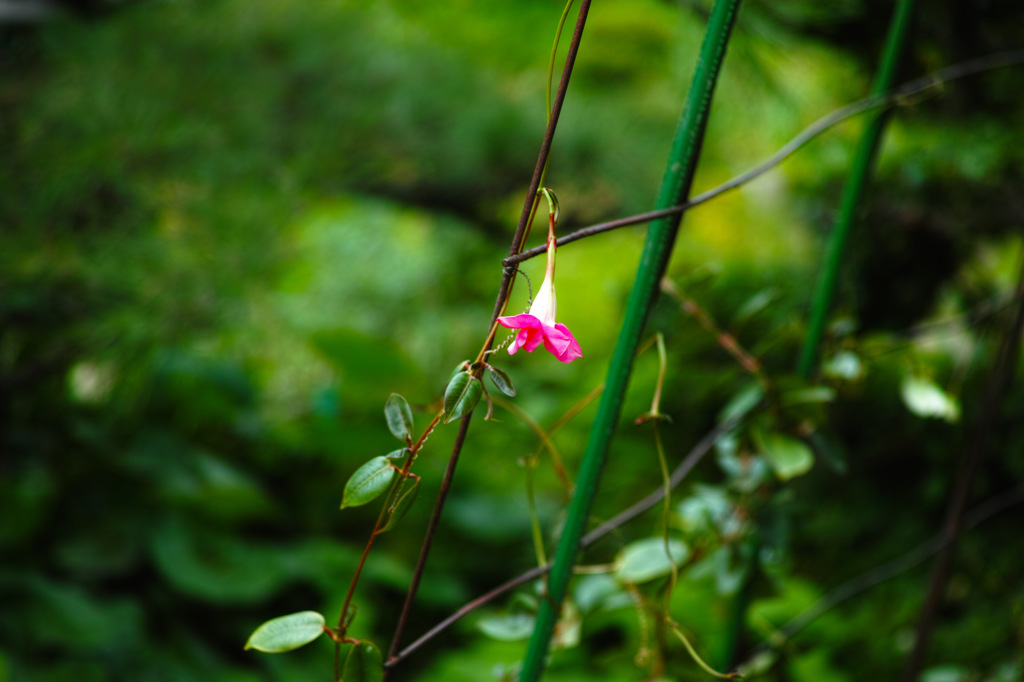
(741,403)
(368,482)
(399,416)
(287,632)
(403,500)
(501,381)
(925,399)
(512,627)
(363,664)
(646,559)
(397,454)
(463,393)
(788,456)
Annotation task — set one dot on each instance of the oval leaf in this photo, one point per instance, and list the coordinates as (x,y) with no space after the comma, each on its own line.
(363,664)
(646,559)
(501,381)
(788,456)
(403,501)
(368,482)
(287,632)
(463,393)
(508,628)
(399,416)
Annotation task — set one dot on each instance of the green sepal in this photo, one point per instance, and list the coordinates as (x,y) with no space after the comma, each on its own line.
(501,381)
(462,395)
(286,633)
(368,482)
(363,664)
(399,416)
(403,500)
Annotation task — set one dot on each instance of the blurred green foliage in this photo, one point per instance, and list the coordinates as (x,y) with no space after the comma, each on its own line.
(231,229)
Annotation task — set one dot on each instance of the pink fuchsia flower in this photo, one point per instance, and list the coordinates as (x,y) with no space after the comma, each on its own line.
(538,326)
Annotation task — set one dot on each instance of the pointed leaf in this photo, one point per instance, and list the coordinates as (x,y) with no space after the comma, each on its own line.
(788,456)
(287,632)
(368,482)
(399,416)
(462,395)
(646,559)
(501,381)
(406,496)
(397,454)
(363,664)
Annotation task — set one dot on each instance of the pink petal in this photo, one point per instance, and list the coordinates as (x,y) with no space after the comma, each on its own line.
(523,321)
(573,350)
(555,340)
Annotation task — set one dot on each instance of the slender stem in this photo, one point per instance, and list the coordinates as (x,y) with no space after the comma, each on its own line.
(698,660)
(545,440)
(428,537)
(535,529)
(530,202)
(657,249)
(392,491)
(894,98)
(666,516)
(551,60)
(610,526)
(504,289)
(853,191)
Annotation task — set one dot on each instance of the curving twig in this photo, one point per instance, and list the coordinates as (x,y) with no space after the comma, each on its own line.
(900,95)
(606,528)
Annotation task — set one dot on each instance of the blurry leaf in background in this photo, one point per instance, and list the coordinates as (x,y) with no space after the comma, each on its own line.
(925,399)
(649,558)
(788,456)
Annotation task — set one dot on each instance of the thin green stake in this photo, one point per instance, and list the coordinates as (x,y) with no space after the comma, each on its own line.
(661,236)
(863,162)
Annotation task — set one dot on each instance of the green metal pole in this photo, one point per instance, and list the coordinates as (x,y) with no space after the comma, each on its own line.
(661,236)
(863,162)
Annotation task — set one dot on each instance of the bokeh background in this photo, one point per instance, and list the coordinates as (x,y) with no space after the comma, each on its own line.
(230,228)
